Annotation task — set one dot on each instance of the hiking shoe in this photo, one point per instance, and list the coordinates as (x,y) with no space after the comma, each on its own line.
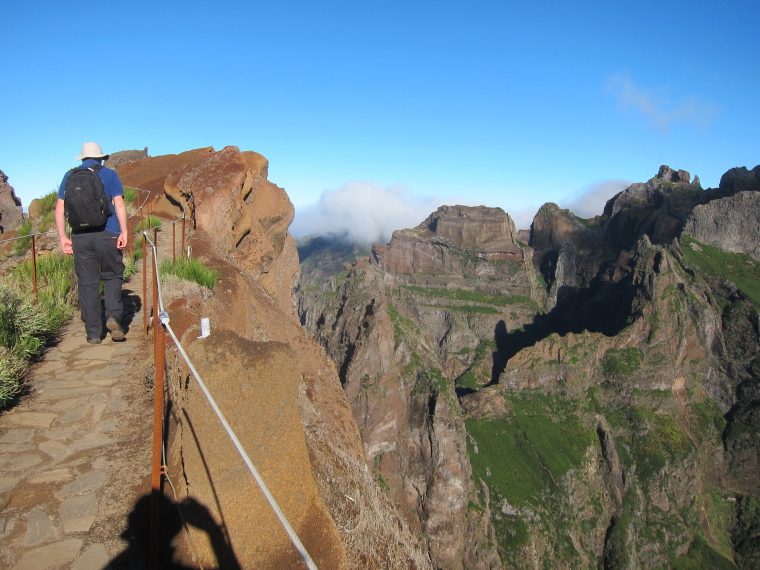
(113,325)
(94,340)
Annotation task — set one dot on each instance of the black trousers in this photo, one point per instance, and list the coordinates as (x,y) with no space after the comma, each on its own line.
(96,259)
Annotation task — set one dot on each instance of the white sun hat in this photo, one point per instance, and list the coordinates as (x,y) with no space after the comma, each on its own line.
(91,150)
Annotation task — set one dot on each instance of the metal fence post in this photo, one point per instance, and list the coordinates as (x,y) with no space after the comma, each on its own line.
(183,232)
(145,284)
(34,268)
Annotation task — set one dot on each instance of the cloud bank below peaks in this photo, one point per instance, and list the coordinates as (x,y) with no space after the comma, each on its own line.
(366,212)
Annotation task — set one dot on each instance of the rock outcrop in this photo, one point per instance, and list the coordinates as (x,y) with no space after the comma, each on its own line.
(277,387)
(123,156)
(489,233)
(11,213)
(731,224)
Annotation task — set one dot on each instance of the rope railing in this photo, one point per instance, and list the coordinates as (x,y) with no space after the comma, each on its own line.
(33,236)
(27,236)
(162,318)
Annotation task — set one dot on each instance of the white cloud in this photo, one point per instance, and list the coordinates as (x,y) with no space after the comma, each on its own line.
(523,217)
(660,109)
(589,201)
(365,212)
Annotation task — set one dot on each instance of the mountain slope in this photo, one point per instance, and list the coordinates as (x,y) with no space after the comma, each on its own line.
(587,399)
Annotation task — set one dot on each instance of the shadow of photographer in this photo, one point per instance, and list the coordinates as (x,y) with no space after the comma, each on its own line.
(174,518)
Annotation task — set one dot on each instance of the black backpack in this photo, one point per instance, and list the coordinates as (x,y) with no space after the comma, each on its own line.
(84,199)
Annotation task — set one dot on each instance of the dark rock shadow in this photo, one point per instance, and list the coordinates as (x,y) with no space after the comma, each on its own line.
(602,308)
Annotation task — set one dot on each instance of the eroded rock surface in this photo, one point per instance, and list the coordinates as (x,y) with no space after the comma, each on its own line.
(263,365)
(11,213)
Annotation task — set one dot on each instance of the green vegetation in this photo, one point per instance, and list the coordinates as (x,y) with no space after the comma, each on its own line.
(656,440)
(523,459)
(701,555)
(747,527)
(402,327)
(468,380)
(531,452)
(22,245)
(130,195)
(189,270)
(47,203)
(429,380)
(707,419)
(479,309)
(473,296)
(137,248)
(46,211)
(25,327)
(148,224)
(721,512)
(620,363)
(737,268)
(340,278)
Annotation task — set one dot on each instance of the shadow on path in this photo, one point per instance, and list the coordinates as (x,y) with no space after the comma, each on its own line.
(137,534)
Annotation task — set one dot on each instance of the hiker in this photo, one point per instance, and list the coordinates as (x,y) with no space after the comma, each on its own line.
(93,205)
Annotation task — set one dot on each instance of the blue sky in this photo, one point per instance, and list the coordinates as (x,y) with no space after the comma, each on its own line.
(407,104)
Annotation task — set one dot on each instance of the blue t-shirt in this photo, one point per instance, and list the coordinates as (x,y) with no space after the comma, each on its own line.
(112,186)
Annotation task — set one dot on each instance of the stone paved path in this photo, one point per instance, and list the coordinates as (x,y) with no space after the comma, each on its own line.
(75,454)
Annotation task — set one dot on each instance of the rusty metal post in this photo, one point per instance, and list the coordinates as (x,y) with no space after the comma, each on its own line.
(159,358)
(131,227)
(174,241)
(183,232)
(34,268)
(155,240)
(145,285)
(156,308)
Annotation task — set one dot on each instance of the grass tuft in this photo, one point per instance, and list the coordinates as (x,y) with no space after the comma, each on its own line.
(22,245)
(149,224)
(189,270)
(25,328)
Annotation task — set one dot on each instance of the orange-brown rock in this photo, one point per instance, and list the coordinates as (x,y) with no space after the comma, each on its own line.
(253,384)
(274,384)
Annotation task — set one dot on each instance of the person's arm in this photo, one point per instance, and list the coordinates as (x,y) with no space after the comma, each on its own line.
(121,214)
(60,225)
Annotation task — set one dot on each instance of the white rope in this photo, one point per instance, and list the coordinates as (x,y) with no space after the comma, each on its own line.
(264,489)
(163,317)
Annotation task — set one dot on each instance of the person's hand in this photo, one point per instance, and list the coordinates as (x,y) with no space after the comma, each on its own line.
(121,241)
(66,246)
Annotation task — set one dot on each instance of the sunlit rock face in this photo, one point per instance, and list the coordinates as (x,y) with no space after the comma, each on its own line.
(11,216)
(280,390)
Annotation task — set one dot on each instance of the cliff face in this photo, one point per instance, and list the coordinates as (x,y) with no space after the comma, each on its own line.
(278,389)
(401,326)
(585,400)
